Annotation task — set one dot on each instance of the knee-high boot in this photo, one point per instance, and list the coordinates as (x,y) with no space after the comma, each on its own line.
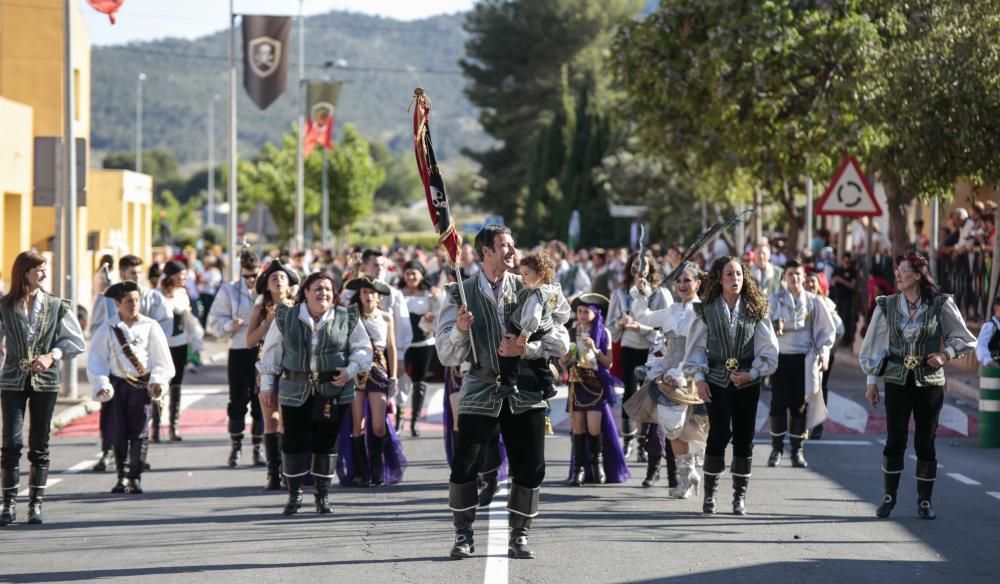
(741,480)
(235,449)
(779,427)
(926,474)
(579,460)
(892,470)
(154,435)
(668,453)
(522,507)
(135,466)
(258,451)
(273,462)
(38,476)
(9,478)
(121,484)
(796,437)
(463,500)
(597,459)
(714,465)
(359,456)
(175,412)
(652,471)
(376,460)
(295,470)
(323,471)
(419,393)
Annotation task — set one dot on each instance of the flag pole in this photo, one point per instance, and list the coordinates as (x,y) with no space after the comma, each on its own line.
(233,153)
(299,159)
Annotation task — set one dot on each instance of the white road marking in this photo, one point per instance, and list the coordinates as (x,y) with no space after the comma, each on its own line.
(51,482)
(954,419)
(994,494)
(847,413)
(963,479)
(496,549)
(825,441)
(80,466)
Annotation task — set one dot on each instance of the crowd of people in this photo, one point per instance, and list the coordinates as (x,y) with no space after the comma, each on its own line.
(329,352)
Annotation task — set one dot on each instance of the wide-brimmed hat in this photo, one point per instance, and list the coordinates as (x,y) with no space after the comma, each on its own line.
(275,266)
(119,290)
(592,299)
(365,282)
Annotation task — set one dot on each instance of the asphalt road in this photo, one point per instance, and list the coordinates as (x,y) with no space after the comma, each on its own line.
(201,521)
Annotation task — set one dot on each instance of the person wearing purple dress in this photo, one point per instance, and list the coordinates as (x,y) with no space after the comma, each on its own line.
(591,394)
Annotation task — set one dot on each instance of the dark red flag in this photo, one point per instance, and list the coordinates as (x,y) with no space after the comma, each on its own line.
(430,175)
(109,7)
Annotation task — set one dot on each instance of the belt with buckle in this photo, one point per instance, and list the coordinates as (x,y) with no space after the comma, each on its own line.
(24,365)
(912,361)
(732,364)
(310,376)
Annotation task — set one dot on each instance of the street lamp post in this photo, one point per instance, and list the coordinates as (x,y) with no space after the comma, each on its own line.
(138,122)
(210,211)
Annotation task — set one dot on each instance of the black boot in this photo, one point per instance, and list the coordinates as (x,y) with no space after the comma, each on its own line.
(376,461)
(258,450)
(38,476)
(175,413)
(462,500)
(295,470)
(489,487)
(892,470)
(121,485)
(9,482)
(640,446)
(741,480)
(235,450)
(135,467)
(597,459)
(779,427)
(579,460)
(714,465)
(522,507)
(323,471)
(154,435)
(399,418)
(628,440)
(671,466)
(926,474)
(796,436)
(273,462)
(145,454)
(652,472)
(107,457)
(360,457)
(419,392)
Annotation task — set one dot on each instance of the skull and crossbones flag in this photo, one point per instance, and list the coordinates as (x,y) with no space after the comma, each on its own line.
(265,57)
(430,175)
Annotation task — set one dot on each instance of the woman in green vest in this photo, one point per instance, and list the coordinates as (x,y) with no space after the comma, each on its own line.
(40,330)
(310,359)
(912,334)
(730,348)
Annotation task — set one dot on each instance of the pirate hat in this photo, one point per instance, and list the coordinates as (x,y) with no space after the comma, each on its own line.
(275,266)
(592,299)
(357,284)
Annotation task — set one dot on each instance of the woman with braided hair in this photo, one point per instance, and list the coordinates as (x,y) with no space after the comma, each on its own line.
(730,348)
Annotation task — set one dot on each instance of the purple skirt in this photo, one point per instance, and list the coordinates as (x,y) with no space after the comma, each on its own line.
(615,465)
(393,459)
(452,384)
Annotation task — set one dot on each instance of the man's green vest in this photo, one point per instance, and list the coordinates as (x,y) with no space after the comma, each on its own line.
(721,347)
(332,351)
(928,341)
(15,328)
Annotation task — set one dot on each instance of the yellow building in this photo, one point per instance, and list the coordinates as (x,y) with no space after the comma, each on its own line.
(31,105)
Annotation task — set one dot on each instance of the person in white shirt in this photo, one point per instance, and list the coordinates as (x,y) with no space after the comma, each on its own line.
(129,364)
(988,342)
(229,318)
(184,331)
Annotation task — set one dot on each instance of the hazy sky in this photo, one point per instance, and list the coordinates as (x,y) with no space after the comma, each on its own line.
(141,20)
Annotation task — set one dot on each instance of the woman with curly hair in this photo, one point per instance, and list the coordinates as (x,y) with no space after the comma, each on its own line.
(912,334)
(731,347)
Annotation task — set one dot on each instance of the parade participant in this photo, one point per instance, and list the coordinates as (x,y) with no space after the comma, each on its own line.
(674,407)
(474,333)
(912,334)
(805,332)
(988,341)
(129,364)
(39,330)
(151,304)
(730,348)
(764,272)
(366,461)
(540,305)
(591,393)
(633,336)
(274,288)
(813,285)
(308,365)
(228,318)
(423,305)
(183,332)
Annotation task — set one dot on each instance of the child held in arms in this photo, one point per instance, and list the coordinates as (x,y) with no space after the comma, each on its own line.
(540,306)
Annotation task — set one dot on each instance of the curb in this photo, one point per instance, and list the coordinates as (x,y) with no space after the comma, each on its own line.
(67,416)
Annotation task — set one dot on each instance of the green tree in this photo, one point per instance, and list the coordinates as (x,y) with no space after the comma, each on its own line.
(176,221)
(160,163)
(402,185)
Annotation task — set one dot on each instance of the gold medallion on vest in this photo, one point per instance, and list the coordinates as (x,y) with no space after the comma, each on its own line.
(732,364)
(911,362)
